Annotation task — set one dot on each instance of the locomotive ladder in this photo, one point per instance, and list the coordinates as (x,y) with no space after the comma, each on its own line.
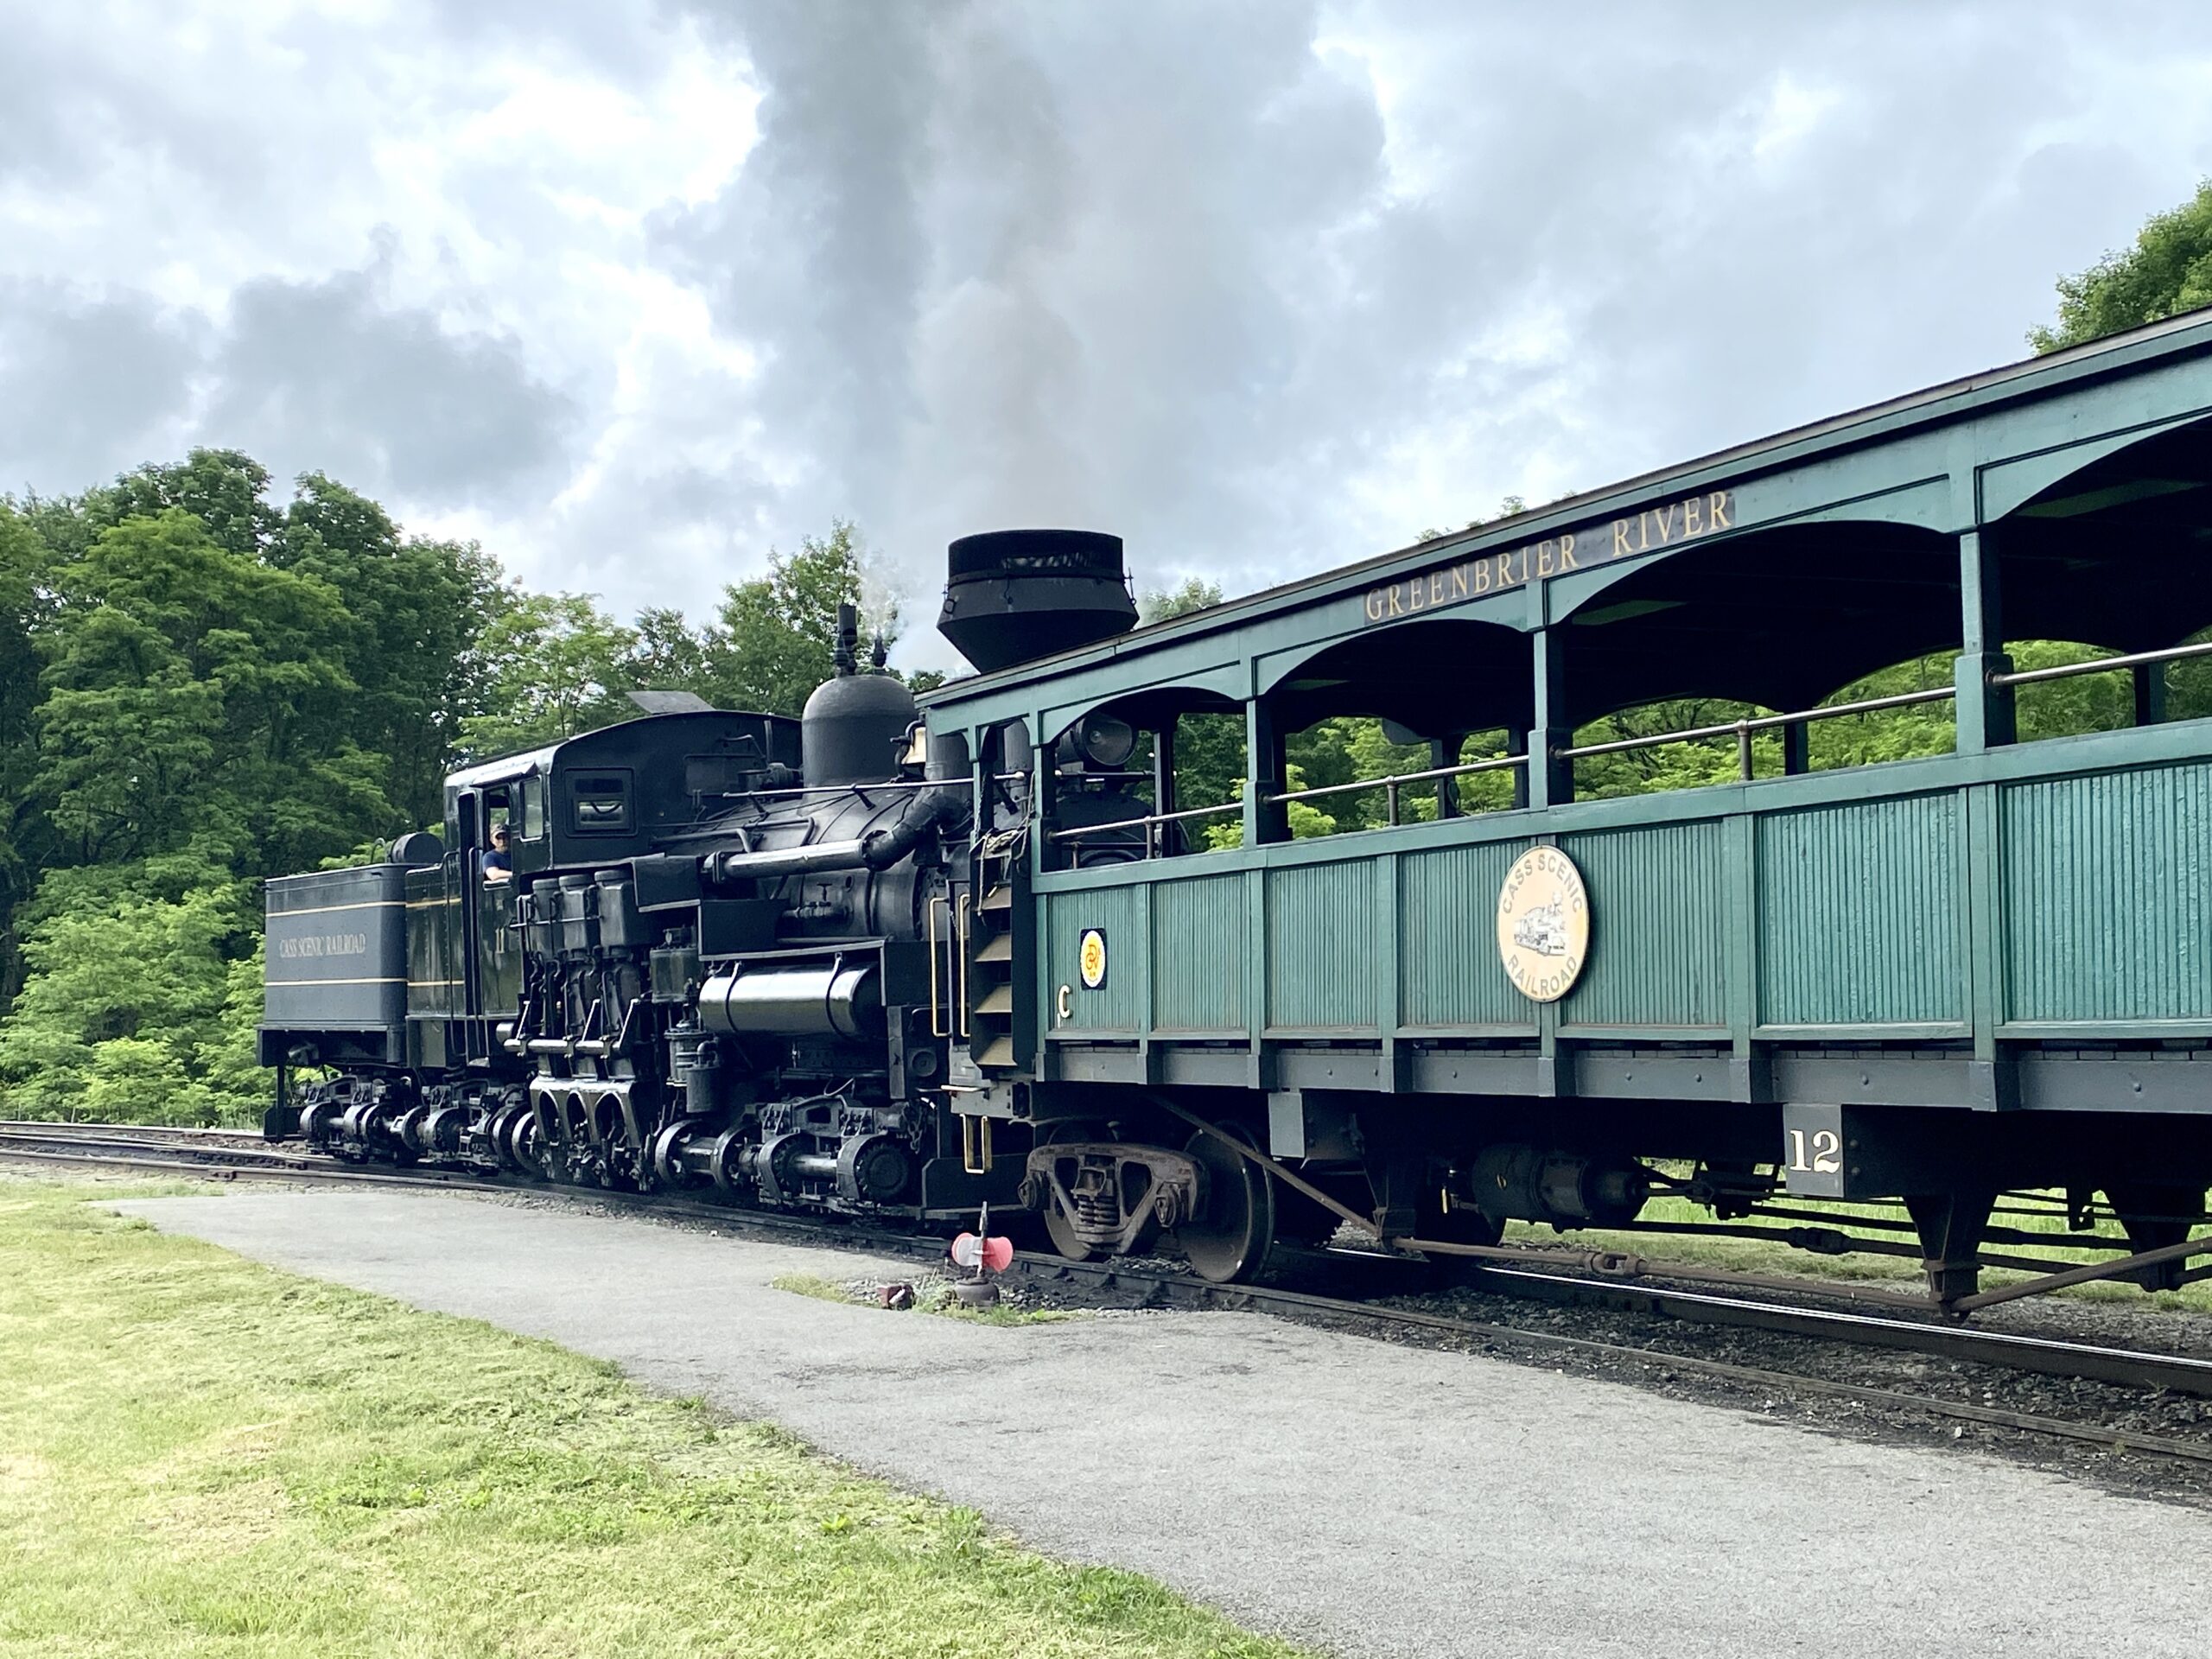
(989,942)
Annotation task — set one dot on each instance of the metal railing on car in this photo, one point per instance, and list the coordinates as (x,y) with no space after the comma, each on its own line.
(1391,786)
(1742,730)
(2101,664)
(1745,730)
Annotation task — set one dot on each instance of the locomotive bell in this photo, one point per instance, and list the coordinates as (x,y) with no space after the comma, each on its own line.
(1014,595)
(853,725)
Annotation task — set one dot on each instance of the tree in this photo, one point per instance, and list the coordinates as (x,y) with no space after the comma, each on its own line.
(194,692)
(775,634)
(25,604)
(671,654)
(551,666)
(141,1001)
(1197,593)
(224,490)
(199,687)
(2168,271)
(414,612)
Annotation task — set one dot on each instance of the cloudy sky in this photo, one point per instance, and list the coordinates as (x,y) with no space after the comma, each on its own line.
(633,292)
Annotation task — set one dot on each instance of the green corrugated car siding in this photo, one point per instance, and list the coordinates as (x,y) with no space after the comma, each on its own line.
(1447,937)
(1322,966)
(1118,1005)
(1658,931)
(1197,954)
(2108,896)
(1860,910)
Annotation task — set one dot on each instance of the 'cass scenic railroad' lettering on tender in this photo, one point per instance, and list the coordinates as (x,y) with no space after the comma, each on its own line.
(324,944)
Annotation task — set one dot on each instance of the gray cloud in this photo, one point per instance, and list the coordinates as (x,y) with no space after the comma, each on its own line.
(90,383)
(817,250)
(327,375)
(1175,271)
(322,376)
(1265,286)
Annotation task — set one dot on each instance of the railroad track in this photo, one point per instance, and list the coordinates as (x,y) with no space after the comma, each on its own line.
(235,1154)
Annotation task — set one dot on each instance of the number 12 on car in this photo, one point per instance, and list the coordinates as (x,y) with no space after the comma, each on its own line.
(1812,1150)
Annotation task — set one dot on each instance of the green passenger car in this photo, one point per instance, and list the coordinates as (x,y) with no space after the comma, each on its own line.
(1933,978)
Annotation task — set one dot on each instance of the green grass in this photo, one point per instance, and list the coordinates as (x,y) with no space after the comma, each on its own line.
(936,1299)
(199,1455)
(807,1284)
(1893,1272)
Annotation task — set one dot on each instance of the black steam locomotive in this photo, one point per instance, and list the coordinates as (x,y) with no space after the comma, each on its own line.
(699,948)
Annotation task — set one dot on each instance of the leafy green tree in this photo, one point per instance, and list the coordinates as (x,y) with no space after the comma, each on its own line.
(413,610)
(775,635)
(25,602)
(2168,271)
(1209,761)
(1196,594)
(670,655)
(226,491)
(142,999)
(551,666)
(197,687)
(192,691)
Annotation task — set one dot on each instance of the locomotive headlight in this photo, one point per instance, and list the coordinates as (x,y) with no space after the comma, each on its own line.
(1106,741)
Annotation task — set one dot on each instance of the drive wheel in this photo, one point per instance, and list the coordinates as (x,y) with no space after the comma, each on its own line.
(1228,1240)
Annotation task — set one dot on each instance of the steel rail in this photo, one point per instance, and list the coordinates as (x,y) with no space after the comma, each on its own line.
(1392,784)
(2126,1368)
(204,1168)
(1797,1382)
(1742,730)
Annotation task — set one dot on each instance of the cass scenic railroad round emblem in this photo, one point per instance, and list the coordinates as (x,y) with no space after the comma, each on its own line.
(1090,958)
(1543,923)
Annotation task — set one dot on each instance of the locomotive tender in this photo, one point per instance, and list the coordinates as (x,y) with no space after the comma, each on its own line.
(905,962)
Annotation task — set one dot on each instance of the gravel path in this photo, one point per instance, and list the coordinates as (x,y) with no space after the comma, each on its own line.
(1369,1497)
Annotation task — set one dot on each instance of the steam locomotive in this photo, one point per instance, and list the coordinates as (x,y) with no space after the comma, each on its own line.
(719,950)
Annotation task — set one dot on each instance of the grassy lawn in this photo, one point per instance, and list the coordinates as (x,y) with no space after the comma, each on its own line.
(199,1455)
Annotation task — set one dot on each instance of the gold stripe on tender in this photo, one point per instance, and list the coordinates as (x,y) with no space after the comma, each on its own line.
(334,981)
(326,910)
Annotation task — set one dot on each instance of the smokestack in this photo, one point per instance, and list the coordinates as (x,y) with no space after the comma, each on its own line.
(1014,595)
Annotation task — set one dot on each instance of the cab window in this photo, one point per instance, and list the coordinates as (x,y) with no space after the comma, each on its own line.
(599,804)
(532,791)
